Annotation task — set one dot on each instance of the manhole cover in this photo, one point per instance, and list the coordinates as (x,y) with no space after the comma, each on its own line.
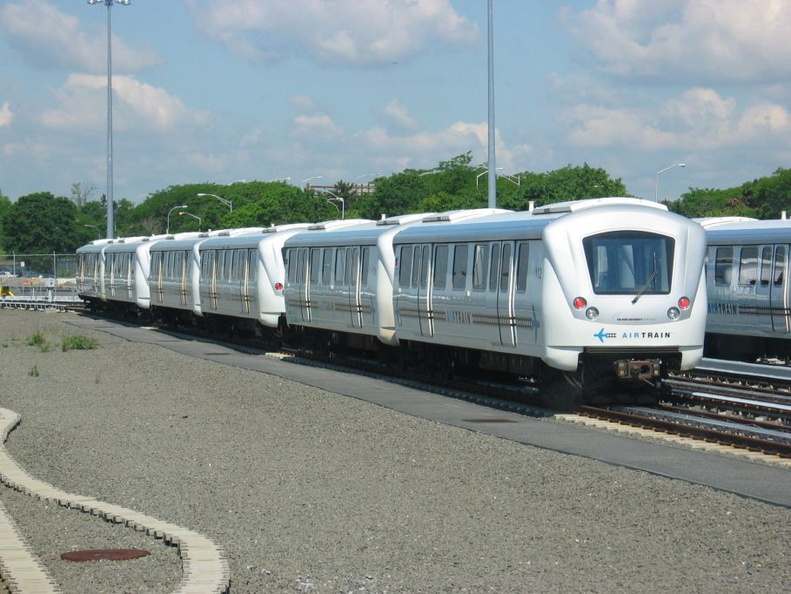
(104,555)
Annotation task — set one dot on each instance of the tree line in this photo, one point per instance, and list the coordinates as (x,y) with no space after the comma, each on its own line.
(44,223)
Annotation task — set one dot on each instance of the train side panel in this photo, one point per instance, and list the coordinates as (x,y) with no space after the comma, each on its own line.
(749,292)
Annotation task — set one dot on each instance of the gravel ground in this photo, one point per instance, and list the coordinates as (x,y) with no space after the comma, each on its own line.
(309,491)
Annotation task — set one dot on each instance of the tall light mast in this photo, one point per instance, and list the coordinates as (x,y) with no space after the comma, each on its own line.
(110,202)
(492,165)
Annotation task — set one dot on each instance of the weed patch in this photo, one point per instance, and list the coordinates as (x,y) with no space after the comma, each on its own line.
(78,342)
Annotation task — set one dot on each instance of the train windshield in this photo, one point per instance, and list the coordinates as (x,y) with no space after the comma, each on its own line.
(630,263)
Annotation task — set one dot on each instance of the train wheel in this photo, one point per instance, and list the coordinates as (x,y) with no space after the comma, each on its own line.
(561,390)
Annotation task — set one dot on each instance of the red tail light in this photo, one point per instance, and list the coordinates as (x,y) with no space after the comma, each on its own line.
(684,302)
(278,286)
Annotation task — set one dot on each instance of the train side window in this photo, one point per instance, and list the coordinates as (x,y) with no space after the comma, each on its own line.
(766,265)
(301,253)
(340,261)
(748,265)
(441,266)
(494,269)
(156,265)
(315,265)
(350,274)
(426,257)
(366,256)
(239,264)
(780,262)
(252,261)
(480,267)
(722,266)
(326,270)
(505,275)
(207,264)
(405,266)
(415,267)
(523,251)
(460,266)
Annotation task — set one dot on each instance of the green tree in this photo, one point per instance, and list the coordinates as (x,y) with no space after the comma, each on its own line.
(711,202)
(771,195)
(41,223)
(5,208)
(400,193)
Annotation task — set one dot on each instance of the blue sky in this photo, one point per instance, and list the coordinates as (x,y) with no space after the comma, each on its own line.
(225,90)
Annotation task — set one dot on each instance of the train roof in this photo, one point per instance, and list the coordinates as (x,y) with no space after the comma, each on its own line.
(274,233)
(747,231)
(184,241)
(525,224)
(369,232)
(571,206)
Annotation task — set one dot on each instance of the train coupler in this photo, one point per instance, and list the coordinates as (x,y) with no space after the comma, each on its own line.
(648,370)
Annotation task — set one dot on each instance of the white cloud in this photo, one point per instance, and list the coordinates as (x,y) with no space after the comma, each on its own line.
(357,32)
(698,119)
(303,103)
(137,106)
(398,113)
(317,128)
(48,38)
(6,115)
(427,148)
(687,40)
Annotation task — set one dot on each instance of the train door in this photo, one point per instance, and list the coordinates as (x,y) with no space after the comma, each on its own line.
(352,283)
(422,268)
(505,294)
(207,283)
(248,262)
(156,277)
(778,291)
(301,280)
(500,281)
(213,294)
(181,260)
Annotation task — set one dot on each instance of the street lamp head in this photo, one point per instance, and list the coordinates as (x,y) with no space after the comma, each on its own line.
(682,164)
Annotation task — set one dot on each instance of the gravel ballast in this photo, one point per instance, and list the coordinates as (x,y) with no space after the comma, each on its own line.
(309,491)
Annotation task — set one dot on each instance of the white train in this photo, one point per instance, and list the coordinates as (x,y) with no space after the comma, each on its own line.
(747,281)
(599,290)
(576,295)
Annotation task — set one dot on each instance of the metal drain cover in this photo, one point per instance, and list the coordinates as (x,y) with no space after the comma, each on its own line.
(104,555)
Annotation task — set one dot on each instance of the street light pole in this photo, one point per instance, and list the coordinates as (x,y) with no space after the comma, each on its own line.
(225,201)
(167,229)
(305,181)
(110,203)
(189,214)
(339,199)
(98,233)
(656,190)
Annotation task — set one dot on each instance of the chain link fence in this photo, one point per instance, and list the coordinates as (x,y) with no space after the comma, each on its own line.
(38,277)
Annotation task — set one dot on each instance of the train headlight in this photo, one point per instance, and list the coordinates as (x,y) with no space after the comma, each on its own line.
(684,303)
(673,313)
(591,313)
(579,303)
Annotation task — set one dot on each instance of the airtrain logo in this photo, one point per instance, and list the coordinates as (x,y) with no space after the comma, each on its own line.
(642,335)
(601,335)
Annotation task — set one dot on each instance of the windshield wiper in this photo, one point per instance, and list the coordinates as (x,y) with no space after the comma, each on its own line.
(644,288)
